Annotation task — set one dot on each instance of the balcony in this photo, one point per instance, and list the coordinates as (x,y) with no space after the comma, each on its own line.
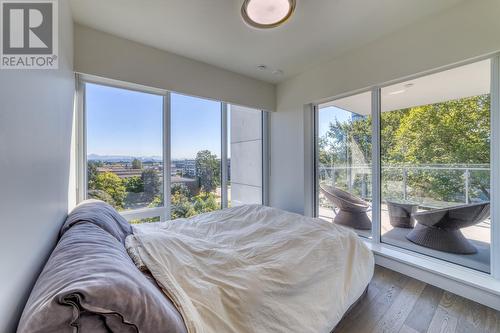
(446,186)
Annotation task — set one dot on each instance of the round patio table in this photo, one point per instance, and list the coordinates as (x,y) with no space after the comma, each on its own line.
(400,213)
(439,229)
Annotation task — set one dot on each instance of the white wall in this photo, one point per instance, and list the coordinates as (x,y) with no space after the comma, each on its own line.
(468,30)
(35,135)
(246,156)
(101,54)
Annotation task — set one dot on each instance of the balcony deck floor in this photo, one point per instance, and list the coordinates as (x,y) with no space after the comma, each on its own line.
(478,234)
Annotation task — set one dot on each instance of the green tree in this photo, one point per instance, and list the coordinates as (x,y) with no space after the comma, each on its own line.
(180,188)
(152,184)
(92,173)
(453,132)
(112,185)
(101,195)
(181,206)
(136,164)
(134,184)
(449,133)
(157,201)
(346,143)
(205,202)
(389,125)
(208,170)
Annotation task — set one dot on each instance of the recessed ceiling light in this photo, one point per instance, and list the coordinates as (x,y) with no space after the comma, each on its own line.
(264,14)
(405,87)
(262,67)
(397,92)
(278,72)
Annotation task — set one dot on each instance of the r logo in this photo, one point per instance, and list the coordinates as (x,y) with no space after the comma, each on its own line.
(27,28)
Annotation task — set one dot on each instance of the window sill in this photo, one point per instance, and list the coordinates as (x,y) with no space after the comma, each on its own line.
(477,286)
(143,213)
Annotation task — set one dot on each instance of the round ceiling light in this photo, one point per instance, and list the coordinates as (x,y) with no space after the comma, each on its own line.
(265,14)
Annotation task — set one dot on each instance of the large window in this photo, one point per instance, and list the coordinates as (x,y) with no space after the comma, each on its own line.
(435,159)
(124,147)
(156,155)
(196,183)
(344,162)
(428,143)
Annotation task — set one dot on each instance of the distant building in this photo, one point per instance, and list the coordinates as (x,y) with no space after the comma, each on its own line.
(174,170)
(186,167)
(125,170)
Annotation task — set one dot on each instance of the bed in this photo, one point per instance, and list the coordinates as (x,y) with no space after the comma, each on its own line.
(104,276)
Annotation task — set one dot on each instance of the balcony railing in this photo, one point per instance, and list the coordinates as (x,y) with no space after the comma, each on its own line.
(358,177)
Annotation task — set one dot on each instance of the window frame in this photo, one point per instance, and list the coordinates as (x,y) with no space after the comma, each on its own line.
(165,211)
(375,242)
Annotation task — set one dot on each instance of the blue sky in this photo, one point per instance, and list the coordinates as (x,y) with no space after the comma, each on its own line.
(327,115)
(123,122)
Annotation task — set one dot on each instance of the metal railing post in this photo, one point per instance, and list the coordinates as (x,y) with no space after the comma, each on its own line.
(349,178)
(405,180)
(333,176)
(363,186)
(467,181)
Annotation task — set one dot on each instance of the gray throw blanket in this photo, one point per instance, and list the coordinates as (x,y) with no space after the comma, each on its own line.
(102,215)
(90,284)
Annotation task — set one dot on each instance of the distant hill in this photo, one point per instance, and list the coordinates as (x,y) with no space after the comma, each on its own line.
(118,158)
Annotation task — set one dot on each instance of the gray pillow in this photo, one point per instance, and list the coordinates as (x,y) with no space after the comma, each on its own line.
(90,284)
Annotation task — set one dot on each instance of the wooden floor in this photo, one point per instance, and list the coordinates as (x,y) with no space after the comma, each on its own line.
(399,304)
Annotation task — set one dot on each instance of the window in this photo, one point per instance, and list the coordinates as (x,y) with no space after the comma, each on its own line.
(124,147)
(156,155)
(196,185)
(430,145)
(344,162)
(435,160)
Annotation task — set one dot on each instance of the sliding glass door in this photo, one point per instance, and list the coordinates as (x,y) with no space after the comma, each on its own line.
(417,158)
(435,159)
(344,162)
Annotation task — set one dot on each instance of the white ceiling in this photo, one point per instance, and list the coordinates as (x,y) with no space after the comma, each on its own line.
(212,31)
(465,81)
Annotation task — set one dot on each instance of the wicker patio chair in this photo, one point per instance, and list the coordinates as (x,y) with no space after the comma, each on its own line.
(352,210)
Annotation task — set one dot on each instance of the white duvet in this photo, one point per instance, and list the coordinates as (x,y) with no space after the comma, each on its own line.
(255,269)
